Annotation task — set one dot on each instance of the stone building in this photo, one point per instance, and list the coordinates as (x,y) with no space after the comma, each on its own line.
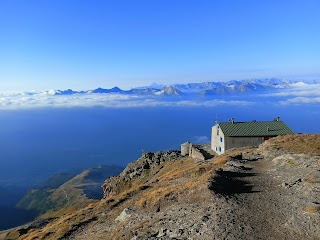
(197,151)
(227,135)
(185,149)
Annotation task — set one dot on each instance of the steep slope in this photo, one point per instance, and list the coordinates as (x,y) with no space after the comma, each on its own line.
(66,192)
(270,192)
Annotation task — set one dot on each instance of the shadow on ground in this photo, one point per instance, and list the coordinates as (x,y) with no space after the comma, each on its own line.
(229,183)
(206,154)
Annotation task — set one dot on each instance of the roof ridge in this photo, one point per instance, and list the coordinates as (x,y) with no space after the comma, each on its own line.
(253,121)
(254,128)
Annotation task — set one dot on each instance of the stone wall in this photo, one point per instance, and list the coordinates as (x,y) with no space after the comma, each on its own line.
(185,149)
(194,152)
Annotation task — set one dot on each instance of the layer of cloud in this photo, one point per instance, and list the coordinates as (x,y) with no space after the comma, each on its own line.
(201,139)
(298,93)
(18,100)
(301,100)
(298,90)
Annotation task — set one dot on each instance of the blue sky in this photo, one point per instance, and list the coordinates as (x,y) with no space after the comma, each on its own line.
(58,44)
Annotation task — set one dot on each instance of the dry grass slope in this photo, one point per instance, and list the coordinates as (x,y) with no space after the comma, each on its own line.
(297,143)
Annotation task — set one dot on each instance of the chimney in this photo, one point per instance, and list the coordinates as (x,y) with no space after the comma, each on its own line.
(277,119)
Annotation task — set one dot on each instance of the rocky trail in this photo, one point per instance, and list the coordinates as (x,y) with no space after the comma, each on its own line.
(260,205)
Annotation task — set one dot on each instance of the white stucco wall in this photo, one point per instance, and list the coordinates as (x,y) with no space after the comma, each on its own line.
(217,145)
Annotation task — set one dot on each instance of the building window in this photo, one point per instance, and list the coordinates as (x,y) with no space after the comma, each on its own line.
(220,139)
(219,149)
(217,132)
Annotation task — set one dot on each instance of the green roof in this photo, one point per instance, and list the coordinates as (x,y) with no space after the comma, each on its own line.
(248,129)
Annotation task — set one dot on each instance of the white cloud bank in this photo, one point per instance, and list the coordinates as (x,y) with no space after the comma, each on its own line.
(16,100)
(301,100)
(298,90)
(297,94)
(201,139)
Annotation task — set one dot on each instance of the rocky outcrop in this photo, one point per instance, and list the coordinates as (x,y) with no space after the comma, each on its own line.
(125,214)
(148,161)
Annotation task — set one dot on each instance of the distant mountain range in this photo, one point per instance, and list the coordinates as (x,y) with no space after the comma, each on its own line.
(202,89)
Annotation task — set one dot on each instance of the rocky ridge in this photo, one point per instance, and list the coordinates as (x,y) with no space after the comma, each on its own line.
(147,162)
(202,89)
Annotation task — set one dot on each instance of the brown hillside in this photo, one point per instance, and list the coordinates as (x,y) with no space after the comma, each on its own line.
(266,194)
(297,143)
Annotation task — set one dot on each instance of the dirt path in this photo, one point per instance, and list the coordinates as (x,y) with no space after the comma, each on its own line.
(257,205)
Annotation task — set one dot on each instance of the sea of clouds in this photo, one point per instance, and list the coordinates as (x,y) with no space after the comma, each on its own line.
(15,100)
(296,94)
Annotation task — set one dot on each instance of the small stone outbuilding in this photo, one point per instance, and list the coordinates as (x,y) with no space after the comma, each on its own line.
(197,151)
(185,148)
(227,135)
